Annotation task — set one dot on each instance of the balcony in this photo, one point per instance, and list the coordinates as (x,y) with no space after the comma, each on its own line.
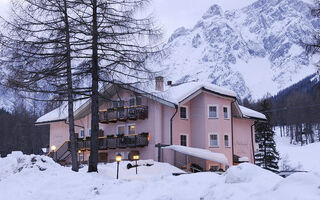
(112,115)
(114,142)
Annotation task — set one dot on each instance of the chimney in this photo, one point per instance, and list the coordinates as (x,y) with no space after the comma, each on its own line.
(159,83)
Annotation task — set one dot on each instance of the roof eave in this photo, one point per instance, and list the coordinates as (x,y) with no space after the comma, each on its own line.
(48,122)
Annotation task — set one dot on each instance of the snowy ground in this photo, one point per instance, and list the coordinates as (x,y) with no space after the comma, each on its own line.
(298,157)
(34,178)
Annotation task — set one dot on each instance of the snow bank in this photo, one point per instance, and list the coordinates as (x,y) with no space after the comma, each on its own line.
(246,173)
(17,162)
(154,182)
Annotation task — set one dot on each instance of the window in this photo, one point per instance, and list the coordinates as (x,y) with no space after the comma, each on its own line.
(89,132)
(213,140)
(121,129)
(225,113)
(131,129)
(183,140)
(226,141)
(81,157)
(101,132)
(183,112)
(114,104)
(138,100)
(213,168)
(81,133)
(121,103)
(213,112)
(131,102)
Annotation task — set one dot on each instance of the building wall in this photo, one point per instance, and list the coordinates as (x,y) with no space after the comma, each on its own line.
(242,137)
(197,126)
(220,126)
(59,133)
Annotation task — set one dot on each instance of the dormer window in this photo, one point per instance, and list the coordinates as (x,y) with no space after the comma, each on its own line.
(183,112)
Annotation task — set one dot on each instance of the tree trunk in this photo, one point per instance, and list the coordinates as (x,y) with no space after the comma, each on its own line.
(70,94)
(93,159)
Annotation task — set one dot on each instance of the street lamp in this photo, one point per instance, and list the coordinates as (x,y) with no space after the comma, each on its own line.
(53,148)
(118,159)
(136,158)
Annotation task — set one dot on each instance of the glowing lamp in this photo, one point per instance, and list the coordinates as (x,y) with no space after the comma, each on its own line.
(118,157)
(136,157)
(53,147)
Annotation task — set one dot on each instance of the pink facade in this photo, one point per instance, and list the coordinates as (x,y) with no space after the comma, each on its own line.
(219,131)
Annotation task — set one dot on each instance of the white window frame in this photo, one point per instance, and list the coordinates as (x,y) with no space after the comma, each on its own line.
(134,101)
(217,107)
(186,107)
(89,132)
(224,141)
(187,139)
(228,111)
(127,126)
(121,126)
(83,133)
(218,139)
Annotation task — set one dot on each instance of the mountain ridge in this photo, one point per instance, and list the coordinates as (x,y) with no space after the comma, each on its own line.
(225,47)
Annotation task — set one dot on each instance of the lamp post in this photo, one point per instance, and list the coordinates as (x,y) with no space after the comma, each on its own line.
(53,148)
(118,159)
(79,153)
(136,158)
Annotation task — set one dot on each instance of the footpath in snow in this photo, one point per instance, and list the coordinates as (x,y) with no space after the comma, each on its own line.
(30,177)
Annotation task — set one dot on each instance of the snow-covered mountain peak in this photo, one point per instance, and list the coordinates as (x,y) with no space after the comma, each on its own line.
(253,50)
(213,11)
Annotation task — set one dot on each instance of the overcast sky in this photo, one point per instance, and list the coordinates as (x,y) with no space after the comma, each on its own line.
(172,14)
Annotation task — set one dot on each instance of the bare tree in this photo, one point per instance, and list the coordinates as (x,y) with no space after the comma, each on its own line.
(37,53)
(116,43)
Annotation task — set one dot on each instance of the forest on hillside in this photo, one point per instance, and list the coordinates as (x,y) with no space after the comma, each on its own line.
(295,110)
(18,132)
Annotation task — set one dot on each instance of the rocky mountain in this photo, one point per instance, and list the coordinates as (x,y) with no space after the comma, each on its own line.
(254,50)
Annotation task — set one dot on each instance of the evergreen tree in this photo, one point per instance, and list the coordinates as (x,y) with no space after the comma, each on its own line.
(267,156)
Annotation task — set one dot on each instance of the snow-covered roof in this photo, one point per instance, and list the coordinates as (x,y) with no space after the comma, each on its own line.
(200,153)
(172,94)
(244,159)
(57,114)
(178,93)
(249,113)
(60,113)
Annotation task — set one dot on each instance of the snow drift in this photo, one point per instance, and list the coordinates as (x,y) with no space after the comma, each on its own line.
(31,177)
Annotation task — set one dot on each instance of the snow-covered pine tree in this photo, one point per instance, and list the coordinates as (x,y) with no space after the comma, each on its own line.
(267,156)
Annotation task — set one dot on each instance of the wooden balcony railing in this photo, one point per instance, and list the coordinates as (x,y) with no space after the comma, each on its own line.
(112,115)
(114,142)
(105,143)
